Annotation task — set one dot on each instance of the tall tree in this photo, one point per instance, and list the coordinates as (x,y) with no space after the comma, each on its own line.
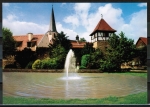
(61,39)
(87,49)
(8,42)
(120,50)
(60,48)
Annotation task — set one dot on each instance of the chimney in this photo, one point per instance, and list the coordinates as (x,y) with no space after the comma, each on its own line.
(30,35)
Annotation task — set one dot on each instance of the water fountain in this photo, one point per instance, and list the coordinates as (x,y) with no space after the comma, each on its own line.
(70,66)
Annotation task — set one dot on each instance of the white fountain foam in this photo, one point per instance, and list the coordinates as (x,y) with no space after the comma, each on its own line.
(70,66)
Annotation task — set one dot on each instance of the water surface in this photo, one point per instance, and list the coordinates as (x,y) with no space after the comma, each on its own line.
(55,85)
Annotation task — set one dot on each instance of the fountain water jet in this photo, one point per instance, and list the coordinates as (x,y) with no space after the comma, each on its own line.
(70,65)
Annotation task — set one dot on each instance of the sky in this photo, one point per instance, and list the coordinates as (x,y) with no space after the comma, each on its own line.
(76,18)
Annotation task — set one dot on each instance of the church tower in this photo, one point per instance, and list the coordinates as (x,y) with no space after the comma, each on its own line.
(101,34)
(52,32)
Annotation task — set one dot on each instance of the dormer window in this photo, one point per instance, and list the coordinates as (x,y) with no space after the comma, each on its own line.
(31,44)
(18,43)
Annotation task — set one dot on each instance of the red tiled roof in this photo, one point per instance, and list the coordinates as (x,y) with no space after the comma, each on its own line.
(144,39)
(103,26)
(76,44)
(24,39)
(141,39)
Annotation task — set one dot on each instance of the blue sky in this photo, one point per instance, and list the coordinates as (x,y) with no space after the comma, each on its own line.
(76,18)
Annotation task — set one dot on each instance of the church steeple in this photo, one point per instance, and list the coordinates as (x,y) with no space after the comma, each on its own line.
(52,26)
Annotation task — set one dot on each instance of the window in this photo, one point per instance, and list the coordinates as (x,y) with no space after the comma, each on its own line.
(28,44)
(18,43)
(31,44)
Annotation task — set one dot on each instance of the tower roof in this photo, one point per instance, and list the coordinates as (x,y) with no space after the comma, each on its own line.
(103,26)
(52,27)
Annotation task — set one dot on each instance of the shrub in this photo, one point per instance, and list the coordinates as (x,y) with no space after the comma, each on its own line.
(82,67)
(36,64)
(85,60)
(49,63)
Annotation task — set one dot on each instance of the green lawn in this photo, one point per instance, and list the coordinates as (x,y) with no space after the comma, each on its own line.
(140,98)
(144,74)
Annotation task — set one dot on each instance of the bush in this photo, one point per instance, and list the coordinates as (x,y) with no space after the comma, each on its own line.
(49,63)
(85,60)
(109,66)
(36,64)
(82,67)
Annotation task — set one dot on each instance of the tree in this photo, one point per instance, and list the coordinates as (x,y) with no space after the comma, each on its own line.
(95,58)
(82,39)
(59,49)
(87,49)
(24,57)
(120,50)
(61,39)
(85,60)
(8,42)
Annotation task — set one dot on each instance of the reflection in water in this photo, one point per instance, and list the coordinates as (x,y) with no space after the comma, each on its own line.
(89,85)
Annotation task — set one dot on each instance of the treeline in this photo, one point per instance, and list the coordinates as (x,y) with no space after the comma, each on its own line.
(120,50)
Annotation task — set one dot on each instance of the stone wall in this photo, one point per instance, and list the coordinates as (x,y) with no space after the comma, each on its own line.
(101,45)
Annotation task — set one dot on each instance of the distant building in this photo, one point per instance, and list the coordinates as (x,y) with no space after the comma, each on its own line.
(141,42)
(101,34)
(33,41)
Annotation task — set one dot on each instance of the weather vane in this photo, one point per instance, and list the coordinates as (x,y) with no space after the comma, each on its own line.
(101,15)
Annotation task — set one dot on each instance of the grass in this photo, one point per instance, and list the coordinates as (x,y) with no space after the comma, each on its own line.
(140,98)
(144,74)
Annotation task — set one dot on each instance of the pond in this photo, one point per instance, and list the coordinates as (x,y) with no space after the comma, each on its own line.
(87,85)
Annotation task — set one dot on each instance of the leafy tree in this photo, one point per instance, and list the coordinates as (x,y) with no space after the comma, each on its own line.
(82,39)
(120,50)
(87,49)
(24,57)
(95,59)
(8,42)
(85,60)
(60,48)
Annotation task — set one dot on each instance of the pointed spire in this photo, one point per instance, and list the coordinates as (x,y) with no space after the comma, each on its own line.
(52,27)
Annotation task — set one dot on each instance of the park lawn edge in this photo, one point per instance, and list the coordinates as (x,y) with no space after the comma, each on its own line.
(139,98)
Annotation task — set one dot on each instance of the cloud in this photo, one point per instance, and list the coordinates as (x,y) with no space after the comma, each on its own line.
(89,20)
(11,17)
(63,4)
(72,34)
(137,27)
(142,4)
(73,20)
(22,27)
(113,16)
(6,4)
(79,17)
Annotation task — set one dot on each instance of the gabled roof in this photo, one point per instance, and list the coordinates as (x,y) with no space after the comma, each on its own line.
(77,44)
(102,26)
(143,39)
(24,39)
